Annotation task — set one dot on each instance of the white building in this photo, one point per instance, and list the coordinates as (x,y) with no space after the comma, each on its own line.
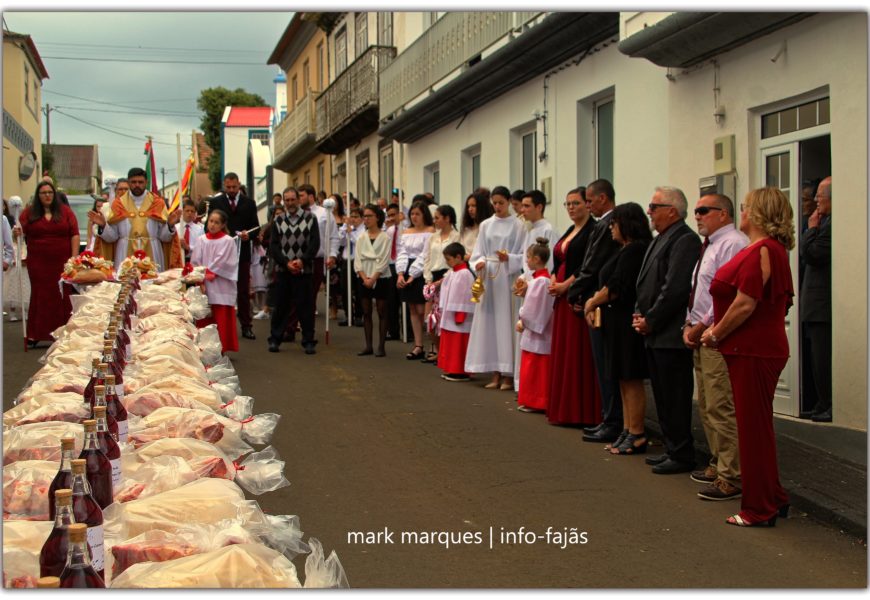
(246,134)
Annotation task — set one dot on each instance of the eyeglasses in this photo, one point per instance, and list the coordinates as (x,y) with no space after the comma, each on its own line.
(703,210)
(572,204)
(653,206)
(46,193)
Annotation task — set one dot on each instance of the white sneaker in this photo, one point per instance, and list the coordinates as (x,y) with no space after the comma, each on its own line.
(261,315)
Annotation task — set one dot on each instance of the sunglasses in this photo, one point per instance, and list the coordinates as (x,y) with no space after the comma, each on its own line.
(703,210)
(653,206)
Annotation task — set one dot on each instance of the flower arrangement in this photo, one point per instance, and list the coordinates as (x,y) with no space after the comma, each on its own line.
(142,263)
(87,267)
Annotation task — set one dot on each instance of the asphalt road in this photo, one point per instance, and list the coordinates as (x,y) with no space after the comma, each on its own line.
(384,445)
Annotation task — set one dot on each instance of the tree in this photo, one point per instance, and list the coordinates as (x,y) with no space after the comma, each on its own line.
(212,102)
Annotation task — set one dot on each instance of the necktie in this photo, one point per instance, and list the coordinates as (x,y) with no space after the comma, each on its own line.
(393,253)
(232,203)
(187,235)
(697,271)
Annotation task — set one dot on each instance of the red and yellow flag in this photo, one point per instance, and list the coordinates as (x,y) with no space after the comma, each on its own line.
(184,185)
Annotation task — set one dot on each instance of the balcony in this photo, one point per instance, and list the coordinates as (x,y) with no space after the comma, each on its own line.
(295,135)
(348,110)
(467,59)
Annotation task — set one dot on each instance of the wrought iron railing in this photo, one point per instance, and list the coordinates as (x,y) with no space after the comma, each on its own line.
(452,41)
(298,124)
(354,90)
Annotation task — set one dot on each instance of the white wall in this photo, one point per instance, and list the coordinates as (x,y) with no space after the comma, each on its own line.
(640,162)
(236,151)
(824,50)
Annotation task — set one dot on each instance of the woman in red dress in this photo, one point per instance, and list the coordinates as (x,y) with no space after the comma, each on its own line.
(51,233)
(751,296)
(574,395)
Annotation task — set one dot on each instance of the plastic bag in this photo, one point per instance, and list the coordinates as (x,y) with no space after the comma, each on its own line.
(188,389)
(197,303)
(219,372)
(320,573)
(236,566)
(145,401)
(198,424)
(22,543)
(36,401)
(259,428)
(39,441)
(158,475)
(205,459)
(262,472)
(182,349)
(68,409)
(162,366)
(25,489)
(209,341)
(238,409)
(165,323)
(226,392)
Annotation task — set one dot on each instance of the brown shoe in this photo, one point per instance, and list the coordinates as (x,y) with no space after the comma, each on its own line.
(707,475)
(720,490)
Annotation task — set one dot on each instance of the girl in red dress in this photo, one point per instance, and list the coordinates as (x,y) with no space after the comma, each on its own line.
(751,296)
(536,326)
(51,232)
(217,252)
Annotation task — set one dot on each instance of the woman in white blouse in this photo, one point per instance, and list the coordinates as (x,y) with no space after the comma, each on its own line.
(371,262)
(478,208)
(434,266)
(409,265)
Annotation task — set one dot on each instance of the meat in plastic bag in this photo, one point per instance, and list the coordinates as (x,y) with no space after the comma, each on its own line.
(262,472)
(25,489)
(22,543)
(323,573)
(170,421)
(73,411)
(158,475)
(236,566)
(187,389)
(39,441)
(144,401)
(35,402)
(205,459)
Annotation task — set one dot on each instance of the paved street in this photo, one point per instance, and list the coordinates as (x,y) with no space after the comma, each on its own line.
(383,443)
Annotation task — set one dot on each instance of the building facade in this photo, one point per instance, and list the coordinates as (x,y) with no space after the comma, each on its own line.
(23,73)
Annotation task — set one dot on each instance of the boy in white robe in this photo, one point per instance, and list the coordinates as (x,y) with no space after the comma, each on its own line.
(457,311)
(536,326)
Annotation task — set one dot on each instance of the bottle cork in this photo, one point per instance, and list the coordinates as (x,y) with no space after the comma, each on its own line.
(48,582)
(99,411)
(104,366)
(95,362)
(67,443)
(63,496)
(99,389)
(90,425)
(78,466)
(78,532)
(110,380)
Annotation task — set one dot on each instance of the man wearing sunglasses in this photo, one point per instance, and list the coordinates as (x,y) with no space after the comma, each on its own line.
(714,214)
(663,288)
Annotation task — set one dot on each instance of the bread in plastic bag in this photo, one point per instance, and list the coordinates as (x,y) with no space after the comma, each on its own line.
(236,566)
(39,441)
(25,489)
(22,543)
(323,573)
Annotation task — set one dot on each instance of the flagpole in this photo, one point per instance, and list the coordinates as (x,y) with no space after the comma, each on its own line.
(179,171)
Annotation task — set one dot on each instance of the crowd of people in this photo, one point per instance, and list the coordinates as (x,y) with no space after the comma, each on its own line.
(573,323)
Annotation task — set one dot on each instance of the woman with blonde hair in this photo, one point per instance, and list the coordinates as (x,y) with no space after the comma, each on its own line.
(751,296)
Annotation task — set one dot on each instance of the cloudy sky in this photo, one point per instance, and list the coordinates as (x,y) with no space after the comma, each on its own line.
(140,96)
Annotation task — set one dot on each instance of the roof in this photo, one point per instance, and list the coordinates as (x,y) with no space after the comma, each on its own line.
(249,116)
(72,161)
(203,153)
(30,48)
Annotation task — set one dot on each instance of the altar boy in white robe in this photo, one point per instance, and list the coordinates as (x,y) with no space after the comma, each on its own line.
(535,325)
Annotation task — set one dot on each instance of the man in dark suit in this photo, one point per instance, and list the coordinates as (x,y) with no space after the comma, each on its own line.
(663,288)
(815,298)
(601,199)
(242,213)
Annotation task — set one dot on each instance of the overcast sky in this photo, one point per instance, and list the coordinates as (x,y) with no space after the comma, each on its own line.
(71,42)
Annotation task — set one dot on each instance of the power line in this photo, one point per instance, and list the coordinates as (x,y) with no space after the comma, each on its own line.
(149,101)
(102,102)
(142,60)
(132,137)
(125,112)
(235,51)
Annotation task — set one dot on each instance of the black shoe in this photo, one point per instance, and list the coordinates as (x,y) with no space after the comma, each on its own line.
(656,460)
(594,429)
(822,417)
(273,346)
(248,333)
(380,353)
(605,434)
(672,467)
(366,352)
(309,348)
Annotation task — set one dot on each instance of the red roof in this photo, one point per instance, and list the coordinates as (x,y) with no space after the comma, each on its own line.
(250,116)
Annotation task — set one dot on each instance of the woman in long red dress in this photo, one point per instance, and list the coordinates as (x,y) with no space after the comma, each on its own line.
(751,296)
(51,233)
(574,395)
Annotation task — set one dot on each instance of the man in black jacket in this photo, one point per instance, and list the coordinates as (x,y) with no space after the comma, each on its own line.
(242,213)
(815,298)
(294,241)
(601,199)
(663,288)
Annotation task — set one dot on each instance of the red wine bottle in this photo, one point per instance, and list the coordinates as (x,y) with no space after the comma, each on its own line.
(52,557)
(63,479)
(87,511)
(79,572)
(99,469)
(97,378)
(115,410)
(108,445)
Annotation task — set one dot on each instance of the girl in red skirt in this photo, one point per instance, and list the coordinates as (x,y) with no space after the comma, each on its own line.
(216,251)
(536,325)
(456,313)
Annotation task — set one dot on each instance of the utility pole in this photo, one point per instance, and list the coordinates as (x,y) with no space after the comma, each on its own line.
(47,112)
(163,177)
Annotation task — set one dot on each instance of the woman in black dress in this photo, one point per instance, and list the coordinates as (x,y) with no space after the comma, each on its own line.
(624,355)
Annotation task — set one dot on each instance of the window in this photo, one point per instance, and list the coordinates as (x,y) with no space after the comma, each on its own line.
(386,171)
(306,82)
(321,176)
(385,28)
(307,176)
(26,85)
(340,51)
(603,125)
(321,66)
(261,135)
(530,162)
(796,118)
(475,171)
(362,33)
(36,95)
(294,89)
(471,169)
(296,182)
(363,186)
(432,178)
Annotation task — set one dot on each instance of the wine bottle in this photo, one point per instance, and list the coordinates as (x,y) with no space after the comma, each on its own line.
(115,410)
(63,479)
(52,557)
(108,445)
(87,511)
(79,571)
(99,469)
